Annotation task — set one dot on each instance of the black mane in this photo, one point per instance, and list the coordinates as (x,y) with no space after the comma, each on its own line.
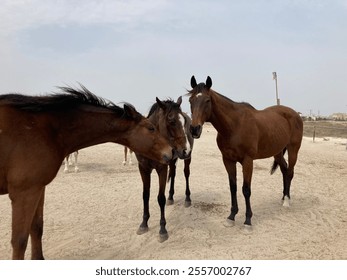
(240,103)
(199,88)
(170,104)
(69,98)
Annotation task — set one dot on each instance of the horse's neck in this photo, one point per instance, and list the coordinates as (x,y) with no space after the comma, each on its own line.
(90,128)
(224,115)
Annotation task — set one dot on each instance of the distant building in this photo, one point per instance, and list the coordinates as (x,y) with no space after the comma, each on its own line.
(339,116)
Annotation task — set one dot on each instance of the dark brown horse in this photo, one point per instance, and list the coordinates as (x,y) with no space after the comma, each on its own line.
(246,134)
(37,133)
(174,125)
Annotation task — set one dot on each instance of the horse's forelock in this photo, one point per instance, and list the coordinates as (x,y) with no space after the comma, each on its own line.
(198,89)
(169,103)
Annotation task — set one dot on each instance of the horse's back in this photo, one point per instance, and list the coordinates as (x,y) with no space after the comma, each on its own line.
(283,113)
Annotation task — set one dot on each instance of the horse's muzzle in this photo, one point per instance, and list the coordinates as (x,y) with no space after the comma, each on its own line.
(196,131)
(168,158)
(183,154)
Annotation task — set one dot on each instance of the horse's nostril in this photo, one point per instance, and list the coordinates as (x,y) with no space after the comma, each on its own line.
(196,131)
(191,128)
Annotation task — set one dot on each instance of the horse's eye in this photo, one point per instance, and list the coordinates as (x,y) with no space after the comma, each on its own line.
(151,128)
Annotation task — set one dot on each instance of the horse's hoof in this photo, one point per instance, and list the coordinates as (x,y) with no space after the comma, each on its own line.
(77,170)
(66,170)
(247,229)
(142,230)
(229,223)
(124,162)
(163,237)
(286,201)
(187,203)
(170,202)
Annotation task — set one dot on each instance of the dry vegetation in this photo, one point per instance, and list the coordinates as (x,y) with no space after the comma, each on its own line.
(326,128)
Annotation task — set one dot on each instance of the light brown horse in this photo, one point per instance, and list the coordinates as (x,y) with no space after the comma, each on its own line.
(246,134)
(126,159)
(68,162)
(37,133)
(174,125)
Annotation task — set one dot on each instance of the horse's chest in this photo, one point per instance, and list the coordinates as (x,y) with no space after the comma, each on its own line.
(232,147)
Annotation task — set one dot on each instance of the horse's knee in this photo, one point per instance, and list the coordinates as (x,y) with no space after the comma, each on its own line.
(37,228)
(19,245)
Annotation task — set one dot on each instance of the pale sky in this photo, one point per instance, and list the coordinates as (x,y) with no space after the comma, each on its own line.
(137,50)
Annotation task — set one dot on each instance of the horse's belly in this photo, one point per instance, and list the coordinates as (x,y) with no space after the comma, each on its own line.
(271,148)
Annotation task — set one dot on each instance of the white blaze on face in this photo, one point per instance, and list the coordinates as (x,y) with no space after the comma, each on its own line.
(199,94)
(182,120)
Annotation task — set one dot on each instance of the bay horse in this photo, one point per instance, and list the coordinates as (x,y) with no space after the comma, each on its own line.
(38,132)
(173,125)
(246,134)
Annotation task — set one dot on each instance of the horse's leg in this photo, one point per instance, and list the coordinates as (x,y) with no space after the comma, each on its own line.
(162,173)
(36,230)
(292,158)
(146,180)
(247,169)
(284,170)
(125,155)
(231,169)
(130,157)
(172,175)
(66,168)
(24,205)
(76,164)
(187,162)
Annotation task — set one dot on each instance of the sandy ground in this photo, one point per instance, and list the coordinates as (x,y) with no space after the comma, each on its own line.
(94,214)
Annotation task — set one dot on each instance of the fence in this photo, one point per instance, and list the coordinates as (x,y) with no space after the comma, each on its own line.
(333,129)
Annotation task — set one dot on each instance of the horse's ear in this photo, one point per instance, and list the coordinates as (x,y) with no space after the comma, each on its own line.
(160,103)
(208,82)
(179,101)
(193,82)
(131,112)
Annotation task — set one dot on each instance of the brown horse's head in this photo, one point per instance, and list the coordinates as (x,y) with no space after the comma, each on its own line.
(145,139)
(200,105)
(172,123)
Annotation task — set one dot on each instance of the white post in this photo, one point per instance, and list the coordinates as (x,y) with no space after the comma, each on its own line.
(274,77)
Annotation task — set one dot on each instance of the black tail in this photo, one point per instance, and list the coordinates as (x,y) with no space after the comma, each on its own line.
(275,164)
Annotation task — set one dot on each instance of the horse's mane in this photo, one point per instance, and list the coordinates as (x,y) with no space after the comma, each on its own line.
(199,88)
(169,103)
(239,103)
(68,98)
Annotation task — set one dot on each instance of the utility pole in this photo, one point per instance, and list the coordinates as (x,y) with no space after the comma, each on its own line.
(274,77)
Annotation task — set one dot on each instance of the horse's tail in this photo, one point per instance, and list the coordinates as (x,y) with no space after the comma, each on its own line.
(275,164)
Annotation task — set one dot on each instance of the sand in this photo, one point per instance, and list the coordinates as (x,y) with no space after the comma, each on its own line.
(94,214)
